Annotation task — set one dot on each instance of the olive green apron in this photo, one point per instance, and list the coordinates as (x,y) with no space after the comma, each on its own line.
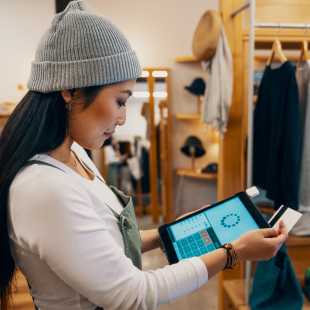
(128,222)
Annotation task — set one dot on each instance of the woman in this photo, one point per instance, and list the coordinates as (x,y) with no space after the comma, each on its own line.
(76,240)
(113,158)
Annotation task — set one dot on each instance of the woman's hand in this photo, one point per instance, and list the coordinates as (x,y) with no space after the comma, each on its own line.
(260,244)
(186,214)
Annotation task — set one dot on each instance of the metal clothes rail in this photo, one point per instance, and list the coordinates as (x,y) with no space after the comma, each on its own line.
(281,25)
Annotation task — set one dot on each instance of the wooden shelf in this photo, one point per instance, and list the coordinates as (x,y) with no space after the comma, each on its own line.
(257,58)
(186,59)
(294,241)
(196,174)
(265,58)
(188,116)
(7,115)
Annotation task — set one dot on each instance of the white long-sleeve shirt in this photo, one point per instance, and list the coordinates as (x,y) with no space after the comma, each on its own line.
(68,244)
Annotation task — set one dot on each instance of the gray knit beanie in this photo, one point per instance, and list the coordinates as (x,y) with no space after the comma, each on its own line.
(82,48)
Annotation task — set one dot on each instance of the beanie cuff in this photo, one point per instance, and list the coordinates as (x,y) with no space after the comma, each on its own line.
(46,77)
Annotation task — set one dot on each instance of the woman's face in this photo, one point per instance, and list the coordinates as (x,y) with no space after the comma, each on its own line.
(92,126)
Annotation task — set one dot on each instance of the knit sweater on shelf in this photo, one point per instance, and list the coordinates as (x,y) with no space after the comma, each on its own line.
(68,244)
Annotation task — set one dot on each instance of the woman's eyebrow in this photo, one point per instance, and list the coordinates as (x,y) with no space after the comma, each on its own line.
(127,92)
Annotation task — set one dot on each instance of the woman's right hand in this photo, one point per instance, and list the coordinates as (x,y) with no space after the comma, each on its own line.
(260,244)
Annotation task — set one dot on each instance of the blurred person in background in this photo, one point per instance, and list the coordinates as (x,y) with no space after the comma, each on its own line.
(113,158)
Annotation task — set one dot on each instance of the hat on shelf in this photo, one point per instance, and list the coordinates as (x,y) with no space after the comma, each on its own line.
(211,168)
(207,35)
(195,142)
(197,88)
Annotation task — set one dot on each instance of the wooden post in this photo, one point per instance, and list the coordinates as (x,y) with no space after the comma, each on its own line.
(231,157)
(163,158)
(153,151)
(169,170)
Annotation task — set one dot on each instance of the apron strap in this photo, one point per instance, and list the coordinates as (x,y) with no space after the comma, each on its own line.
(39,162)
(92,171)
(114,213)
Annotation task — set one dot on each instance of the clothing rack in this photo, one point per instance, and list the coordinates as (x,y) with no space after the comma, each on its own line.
(252,26)
(281,25)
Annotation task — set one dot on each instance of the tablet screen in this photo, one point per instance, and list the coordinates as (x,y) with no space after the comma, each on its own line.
(206,231)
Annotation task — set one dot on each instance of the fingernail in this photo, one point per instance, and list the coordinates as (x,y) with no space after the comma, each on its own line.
(279,232)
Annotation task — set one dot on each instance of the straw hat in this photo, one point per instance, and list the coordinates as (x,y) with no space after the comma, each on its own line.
(207,35)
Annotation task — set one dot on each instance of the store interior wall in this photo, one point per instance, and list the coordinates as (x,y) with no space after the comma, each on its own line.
(159,31)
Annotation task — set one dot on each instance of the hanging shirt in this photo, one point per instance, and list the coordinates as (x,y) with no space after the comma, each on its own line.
(217,100)
(276,136)
(303,82)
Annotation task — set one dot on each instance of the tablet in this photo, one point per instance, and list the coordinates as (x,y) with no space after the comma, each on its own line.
(206,230)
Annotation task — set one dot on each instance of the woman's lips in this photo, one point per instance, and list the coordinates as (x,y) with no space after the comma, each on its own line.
(108,134)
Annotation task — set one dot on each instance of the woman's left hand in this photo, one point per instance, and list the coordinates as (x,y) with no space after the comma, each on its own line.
(186,214)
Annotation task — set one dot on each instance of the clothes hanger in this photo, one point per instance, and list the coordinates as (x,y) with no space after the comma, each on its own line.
(276,50)
(304,50)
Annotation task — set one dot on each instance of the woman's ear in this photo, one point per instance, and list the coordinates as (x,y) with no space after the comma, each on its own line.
(67,95)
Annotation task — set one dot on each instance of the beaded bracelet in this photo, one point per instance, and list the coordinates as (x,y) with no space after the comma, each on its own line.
(230,256)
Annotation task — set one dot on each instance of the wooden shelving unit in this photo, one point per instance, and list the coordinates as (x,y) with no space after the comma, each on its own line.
(186,59)
(257,58)
(196,174)
(185,117)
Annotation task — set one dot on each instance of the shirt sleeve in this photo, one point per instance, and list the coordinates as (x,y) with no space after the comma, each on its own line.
(76,244)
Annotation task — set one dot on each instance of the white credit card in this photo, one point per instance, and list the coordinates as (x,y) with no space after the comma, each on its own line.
(288,215)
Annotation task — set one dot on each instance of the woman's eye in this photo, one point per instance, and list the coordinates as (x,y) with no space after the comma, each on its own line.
(121,103)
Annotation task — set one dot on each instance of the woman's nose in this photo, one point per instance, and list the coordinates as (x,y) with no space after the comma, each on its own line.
(121,117)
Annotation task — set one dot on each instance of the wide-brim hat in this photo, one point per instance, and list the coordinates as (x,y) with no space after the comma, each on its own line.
(198,87)
(207,35)
(193,141)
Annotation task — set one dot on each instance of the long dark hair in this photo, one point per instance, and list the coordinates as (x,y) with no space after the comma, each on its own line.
(39,124)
